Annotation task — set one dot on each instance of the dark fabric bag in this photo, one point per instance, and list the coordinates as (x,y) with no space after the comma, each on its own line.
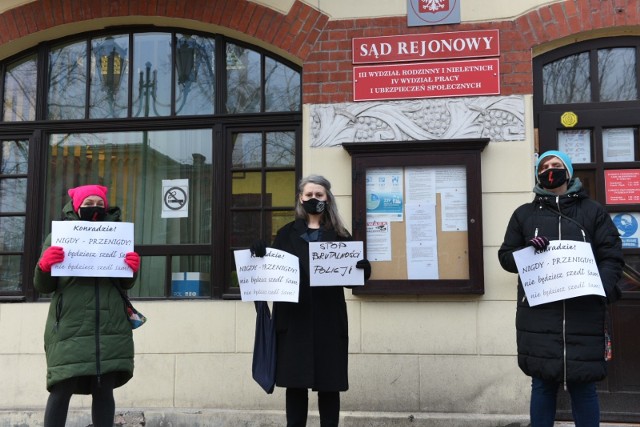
(136,319)
(263,368)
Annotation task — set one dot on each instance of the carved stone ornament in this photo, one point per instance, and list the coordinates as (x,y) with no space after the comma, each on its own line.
(499,118)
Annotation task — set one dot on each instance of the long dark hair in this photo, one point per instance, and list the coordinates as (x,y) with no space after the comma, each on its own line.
(330,217)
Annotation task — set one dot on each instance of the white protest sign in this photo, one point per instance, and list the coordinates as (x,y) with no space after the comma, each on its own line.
(566,269)
(274,277)
(334,264)
(92,249)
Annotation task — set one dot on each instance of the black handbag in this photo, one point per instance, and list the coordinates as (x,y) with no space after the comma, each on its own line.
(263,368)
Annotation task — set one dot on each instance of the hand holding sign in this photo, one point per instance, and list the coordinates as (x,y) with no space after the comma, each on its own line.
(334,264)
(566,269)
(273,277)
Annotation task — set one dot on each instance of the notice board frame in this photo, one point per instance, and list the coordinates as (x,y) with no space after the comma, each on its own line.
(438,153)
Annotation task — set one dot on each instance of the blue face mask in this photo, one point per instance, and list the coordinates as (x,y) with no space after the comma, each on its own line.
(92,213)
(552,178)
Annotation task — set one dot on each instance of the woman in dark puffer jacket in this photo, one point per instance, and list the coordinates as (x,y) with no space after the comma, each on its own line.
(563,342)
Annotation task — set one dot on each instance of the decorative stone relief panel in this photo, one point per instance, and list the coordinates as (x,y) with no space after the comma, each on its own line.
(499,118)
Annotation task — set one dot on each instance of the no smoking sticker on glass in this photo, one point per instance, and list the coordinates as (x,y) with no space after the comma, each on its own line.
(175,198)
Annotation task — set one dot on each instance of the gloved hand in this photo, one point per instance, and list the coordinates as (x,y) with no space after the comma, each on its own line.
(132,259)
(539,242)
(366,266)
(52,255)
(258,248)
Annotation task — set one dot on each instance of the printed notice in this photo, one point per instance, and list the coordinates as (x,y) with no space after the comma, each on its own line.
(92,249)
(274,277)
(334,264)
(378,240)
(566,269)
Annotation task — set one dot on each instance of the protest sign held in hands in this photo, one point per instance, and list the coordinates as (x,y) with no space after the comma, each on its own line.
(92,249)
(334,263)
(274,277)
(565,269)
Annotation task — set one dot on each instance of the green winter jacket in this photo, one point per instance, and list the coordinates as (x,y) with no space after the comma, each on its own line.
(87,331)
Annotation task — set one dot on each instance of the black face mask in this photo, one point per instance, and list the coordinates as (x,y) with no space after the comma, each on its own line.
(92,213)
(553,178)
(314,206)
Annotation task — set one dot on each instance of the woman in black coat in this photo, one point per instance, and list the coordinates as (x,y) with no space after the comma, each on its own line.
(312,335)
(563,342)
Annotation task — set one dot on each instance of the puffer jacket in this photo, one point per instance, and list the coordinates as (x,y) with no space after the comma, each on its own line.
(87,332)
(564,341)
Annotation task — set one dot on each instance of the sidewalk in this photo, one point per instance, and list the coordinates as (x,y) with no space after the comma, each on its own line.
(191,417)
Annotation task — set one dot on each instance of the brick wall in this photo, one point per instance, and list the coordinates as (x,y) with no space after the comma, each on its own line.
(322,46)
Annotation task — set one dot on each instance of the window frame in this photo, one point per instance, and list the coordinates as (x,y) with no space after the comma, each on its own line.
(218,122)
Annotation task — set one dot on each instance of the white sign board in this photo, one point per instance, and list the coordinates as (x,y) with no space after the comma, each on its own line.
(334,264)
(566,269)
(175,198)
(274,277)
(92,249)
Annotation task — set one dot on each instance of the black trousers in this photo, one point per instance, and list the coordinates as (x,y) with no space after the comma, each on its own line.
(298,407)
(103,406)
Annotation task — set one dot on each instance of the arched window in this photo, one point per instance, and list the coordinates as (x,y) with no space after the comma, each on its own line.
(197,136)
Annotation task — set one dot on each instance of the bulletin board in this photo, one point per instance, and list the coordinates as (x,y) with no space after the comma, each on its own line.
(450,250)
(417,206)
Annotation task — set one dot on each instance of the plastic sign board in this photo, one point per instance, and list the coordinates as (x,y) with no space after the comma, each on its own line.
(426,80)
(622,186)
(426,47)
(432,12)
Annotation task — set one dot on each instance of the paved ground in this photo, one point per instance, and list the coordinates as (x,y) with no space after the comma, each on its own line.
(188,417)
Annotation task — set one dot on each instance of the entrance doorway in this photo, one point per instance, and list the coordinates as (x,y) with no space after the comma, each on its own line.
(587,103)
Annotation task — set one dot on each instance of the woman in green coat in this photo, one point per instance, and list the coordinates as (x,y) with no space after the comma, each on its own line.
(88,339)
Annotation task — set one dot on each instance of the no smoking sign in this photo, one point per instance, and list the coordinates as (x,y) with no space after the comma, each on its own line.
(175,198)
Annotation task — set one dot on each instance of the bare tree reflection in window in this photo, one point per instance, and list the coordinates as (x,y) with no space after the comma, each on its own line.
(282,87)
(243,80)
(20,90)
(67,81)
(281,149)
(617,74)
(567,80)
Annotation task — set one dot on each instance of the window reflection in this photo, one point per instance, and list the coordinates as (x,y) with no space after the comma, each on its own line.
(243,80)
(109,77)
(617,74)
(195,75)
(14,157)
(132,165)
(567,80)
(67,82)
(152,75)
(20,90)
(280,149)
(282,87)
(10,273)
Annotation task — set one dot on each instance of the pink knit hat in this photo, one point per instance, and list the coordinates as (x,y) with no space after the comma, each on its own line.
(78,194)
